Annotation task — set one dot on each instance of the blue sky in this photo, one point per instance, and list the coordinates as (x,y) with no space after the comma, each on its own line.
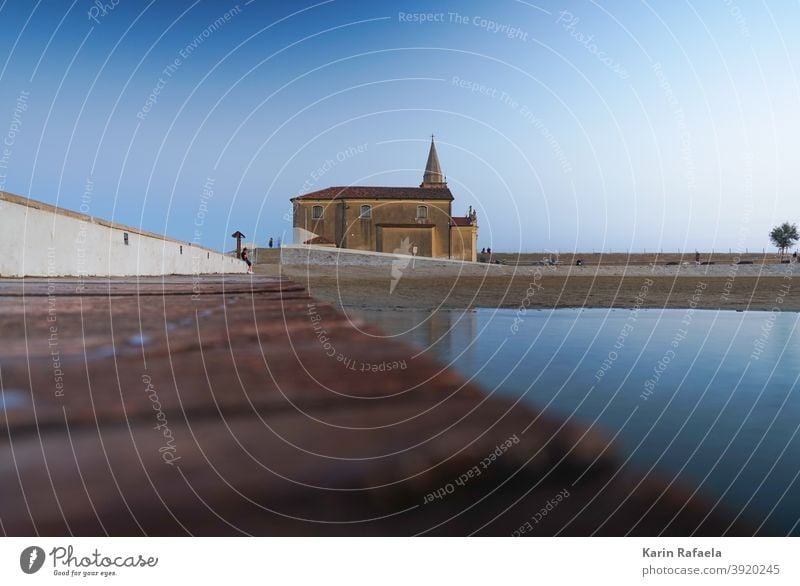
(567,125)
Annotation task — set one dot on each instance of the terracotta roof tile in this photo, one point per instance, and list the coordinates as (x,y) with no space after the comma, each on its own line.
(365,192)
(461,221)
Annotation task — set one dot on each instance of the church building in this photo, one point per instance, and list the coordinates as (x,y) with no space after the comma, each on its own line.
(400,220)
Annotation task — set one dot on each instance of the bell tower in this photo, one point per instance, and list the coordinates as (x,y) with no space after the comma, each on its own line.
(433,176)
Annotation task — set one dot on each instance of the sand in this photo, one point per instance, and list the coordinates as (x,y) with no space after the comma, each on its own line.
(664,280)
(729,287)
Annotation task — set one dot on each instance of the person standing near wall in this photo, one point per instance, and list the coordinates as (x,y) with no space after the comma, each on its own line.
(246,258)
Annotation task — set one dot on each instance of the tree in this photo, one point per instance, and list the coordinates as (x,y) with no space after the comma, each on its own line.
(784,236)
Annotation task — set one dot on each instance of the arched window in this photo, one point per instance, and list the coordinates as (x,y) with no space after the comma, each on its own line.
(422,212)
(366,212)
(317,212)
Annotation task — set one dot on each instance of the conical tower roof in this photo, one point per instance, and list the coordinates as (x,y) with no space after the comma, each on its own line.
(433,171)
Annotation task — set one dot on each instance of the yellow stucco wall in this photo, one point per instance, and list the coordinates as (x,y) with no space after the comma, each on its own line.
(464,243)
(390,223)
(342,223)
(406,240)
(326,227)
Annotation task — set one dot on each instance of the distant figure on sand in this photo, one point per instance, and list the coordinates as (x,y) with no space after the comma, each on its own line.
(794,256)
(579,262)
(270,242)
(488,251)
(483,251)
(246,258)
(697,257)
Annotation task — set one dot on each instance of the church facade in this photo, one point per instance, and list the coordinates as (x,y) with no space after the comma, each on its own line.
(404,220)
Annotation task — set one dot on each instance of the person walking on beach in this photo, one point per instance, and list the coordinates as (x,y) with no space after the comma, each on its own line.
(270,242)
(246,258)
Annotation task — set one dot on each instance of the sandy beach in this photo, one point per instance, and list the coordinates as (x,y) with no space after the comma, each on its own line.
(768,286)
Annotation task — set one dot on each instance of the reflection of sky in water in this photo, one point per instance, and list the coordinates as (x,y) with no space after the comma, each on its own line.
(12,399)
(716,413)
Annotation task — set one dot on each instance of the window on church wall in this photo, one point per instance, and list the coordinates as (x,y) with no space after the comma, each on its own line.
(422,212)
(366,212)
(317,213)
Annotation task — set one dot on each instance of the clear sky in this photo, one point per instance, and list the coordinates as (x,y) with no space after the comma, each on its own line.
(567,125)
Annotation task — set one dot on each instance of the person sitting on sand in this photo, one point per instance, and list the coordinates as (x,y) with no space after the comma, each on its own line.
(246,258)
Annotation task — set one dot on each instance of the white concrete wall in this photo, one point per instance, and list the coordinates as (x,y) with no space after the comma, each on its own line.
(308,254)
(36,240)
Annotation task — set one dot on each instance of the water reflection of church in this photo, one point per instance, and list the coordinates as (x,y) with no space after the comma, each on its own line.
(449,335)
